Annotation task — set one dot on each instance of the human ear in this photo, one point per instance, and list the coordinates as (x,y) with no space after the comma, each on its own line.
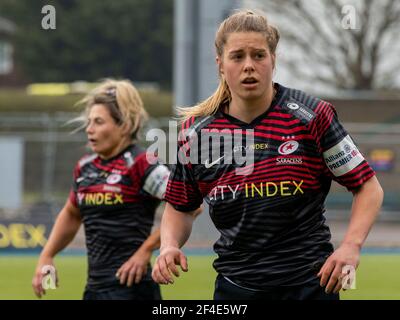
(273,58)
(125,128)
(220,65)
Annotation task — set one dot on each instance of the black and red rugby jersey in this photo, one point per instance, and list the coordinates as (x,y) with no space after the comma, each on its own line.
(272,224)
(117,199)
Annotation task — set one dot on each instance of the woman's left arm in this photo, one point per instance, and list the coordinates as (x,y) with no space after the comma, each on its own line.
(367,201)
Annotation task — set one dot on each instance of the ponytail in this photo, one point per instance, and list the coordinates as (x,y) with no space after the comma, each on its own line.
(210,105)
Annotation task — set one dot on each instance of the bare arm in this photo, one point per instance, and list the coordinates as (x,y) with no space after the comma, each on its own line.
(176,227)
(64,230)
(366,205)
(367,202)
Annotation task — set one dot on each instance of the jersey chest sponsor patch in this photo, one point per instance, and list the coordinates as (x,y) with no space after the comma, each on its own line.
(100,198)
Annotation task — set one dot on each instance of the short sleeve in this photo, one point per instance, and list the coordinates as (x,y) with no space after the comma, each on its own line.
(151,175)
(342,158)
(155,181)
(74,187)
(183,192)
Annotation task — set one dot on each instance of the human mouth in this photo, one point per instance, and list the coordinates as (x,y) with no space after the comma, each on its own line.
(249,82)
(92,141)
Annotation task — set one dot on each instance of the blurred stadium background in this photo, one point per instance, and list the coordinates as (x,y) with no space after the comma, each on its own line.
(167,52)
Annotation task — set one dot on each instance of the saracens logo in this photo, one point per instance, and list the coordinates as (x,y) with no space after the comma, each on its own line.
(288,147)
(113,179)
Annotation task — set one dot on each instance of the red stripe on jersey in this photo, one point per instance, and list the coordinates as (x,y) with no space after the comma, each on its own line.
(178,198)
(276,137)
(361,179)
(281,130)
(279,115)
(360,167)
(320,105)
(109,168)
(141,164)
(174,186)
(280,122)
(98,188)
(227,126)
(221,120)
(356,173)
(183,187)
(326,123)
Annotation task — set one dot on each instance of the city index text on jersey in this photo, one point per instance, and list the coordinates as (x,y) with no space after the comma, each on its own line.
(99,198)
(257,190)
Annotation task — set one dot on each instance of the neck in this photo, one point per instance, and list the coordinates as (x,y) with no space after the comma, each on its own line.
(121,146)
(248,110)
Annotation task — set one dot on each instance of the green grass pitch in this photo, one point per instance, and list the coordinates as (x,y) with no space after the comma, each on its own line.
(377,278)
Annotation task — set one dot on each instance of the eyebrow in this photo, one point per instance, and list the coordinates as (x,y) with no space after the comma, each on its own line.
(235,51)
(242,50)
(95,118)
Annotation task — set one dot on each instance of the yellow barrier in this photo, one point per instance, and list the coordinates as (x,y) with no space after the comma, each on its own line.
(22,236)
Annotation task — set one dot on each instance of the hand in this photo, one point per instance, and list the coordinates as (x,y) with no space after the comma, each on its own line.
(166,263)
(133,270)
(331,273)
(41,271)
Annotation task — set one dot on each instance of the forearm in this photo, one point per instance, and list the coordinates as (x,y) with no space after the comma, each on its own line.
(366,205)
(175,227)
(152,242)
(64,230)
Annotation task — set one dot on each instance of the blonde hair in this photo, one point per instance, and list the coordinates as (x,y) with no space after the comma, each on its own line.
(242,21)
(122,100)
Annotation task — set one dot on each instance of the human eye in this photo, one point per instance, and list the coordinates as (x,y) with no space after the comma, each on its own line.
(236,56)
(260,55)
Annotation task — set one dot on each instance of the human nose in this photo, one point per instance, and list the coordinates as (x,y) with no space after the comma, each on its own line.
(248,64)
(89,128)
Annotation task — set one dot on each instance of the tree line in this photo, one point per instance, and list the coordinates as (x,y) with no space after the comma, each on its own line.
(93,39)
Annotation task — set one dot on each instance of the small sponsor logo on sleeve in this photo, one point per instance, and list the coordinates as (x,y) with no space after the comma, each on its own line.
(300,111)
(156,182)
(293,106)
(343,157)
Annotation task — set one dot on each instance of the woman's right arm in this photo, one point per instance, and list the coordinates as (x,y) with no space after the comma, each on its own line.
(64,230)
(175,229)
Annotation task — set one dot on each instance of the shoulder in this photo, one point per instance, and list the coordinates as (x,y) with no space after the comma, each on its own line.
(305,106)
(85,160)
(141,161)
(83,164)
(133,154)
(196,124)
